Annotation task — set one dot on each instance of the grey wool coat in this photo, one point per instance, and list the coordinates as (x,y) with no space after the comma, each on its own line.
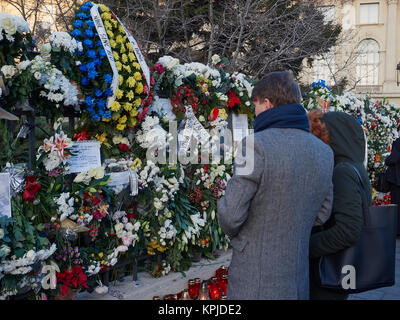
(269,214)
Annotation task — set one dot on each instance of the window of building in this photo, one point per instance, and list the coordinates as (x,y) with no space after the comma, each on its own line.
(328,12)
(369,13)
(324,67)
(368,62)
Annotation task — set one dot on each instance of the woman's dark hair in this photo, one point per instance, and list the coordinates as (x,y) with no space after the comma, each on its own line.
(278,87)
(317,127)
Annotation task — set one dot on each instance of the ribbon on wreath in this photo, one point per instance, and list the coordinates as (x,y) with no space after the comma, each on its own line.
(138,53)
(133,182)
(101,30)
(194,128)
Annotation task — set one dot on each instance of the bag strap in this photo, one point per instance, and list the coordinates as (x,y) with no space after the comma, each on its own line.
(365,207)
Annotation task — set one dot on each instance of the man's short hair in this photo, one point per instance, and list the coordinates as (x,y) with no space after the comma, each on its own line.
(278,87)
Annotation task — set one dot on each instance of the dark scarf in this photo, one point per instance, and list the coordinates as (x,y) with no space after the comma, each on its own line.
(291,116)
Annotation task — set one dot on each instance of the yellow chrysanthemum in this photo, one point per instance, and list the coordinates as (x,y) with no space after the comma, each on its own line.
(110,34)
(102,138)
(101,255)
(114,22)
(124,58)
(128,106)
(118,65)
(138,102)
(129,46)
(123,119)
(121,127)
(103,8)
(139,88)
(120,79)
(106,16)
(136,66)
(137,163)
(130,95)
(115,55)
(119,93)
(131,82)
(127,68)
(120,29)
(119,39)
(122,49)
(133,113)
(115,106)
(131,57)
(132,122)
(116,116)
(108,25)
(113,44)
(137,76)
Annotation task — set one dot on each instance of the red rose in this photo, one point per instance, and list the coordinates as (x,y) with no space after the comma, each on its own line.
(123,147)
(233,100)
(159,68)
(131,216)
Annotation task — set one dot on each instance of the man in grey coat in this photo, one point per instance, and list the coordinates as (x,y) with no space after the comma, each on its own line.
(268,211)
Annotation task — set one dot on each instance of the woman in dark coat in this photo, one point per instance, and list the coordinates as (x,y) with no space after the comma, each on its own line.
(393,173)
(346,138)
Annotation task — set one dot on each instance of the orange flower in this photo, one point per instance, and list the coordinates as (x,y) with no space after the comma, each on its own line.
(377,158)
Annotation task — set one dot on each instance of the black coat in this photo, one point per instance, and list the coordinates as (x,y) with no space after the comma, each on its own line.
(393,171)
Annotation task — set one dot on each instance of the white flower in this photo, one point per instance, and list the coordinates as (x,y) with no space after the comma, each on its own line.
(24,64)
(37,75)
(30,255)
(215,59)
(9,71)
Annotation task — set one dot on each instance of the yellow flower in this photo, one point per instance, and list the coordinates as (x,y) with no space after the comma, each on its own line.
(102,262)
(119,39)
(137,163)
(113,44)
(103,8)
(123,119)
(120,79)
(119,93)
(120,29)
(118,65)
(116,116)
(223,114)
(128,106)
(115,106)
(133,113)
(122,49)
(139,88)
(106,120)
(121,127)
(110,34)
(114,22)
(108,25)
(138,102)
(132,122)
(130,95)
(131,56)
(92,255)
(101,255)
(137,76)
(137,65)
(131,82)
(106,16)
(115,55)
(124,58)
(102,138)
(127,68)
(129,46)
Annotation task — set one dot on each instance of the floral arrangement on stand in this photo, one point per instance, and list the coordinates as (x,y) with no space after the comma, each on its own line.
(379,120)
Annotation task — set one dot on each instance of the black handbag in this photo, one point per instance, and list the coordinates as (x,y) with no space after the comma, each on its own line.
(373,256)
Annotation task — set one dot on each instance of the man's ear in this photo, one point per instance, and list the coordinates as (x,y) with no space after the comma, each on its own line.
(269,104)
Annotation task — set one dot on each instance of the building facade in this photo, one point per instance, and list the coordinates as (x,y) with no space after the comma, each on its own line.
(369,52)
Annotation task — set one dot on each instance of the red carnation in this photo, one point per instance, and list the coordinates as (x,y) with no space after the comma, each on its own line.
(123,147)
(215,114)
(159,68)
(233,100)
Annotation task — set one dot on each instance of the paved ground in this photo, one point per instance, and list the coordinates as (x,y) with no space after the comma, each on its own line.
(146,287)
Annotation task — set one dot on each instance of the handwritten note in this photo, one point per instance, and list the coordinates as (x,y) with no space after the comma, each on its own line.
(87,156)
